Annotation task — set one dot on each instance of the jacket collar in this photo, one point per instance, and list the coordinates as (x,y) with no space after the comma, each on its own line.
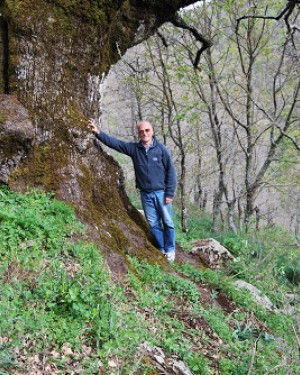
(154,142)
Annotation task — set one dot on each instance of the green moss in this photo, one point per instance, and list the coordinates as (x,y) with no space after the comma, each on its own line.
(103,206)
(19,9)
(43,165)
(3,119)
(103,22)
(99,208)
(41,168)
(97,12)
(9,145)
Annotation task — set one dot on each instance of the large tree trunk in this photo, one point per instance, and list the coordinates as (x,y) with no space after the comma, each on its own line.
(52,55)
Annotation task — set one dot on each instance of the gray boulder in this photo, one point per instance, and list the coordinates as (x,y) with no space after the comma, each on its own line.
(211,252)
(256,294)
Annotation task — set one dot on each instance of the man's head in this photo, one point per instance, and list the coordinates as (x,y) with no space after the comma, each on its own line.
(145,132)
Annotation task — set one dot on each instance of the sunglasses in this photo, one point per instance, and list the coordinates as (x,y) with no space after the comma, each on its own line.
(144,131)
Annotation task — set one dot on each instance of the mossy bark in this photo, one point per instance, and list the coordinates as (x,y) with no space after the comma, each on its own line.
(53,54)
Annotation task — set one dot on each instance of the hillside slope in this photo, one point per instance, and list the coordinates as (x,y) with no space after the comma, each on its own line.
(61,312)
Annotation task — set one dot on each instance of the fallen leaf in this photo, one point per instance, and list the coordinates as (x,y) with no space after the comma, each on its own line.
(67,351)
(34,359)
(112,363)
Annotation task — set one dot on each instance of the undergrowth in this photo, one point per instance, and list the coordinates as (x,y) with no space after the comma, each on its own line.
(56,290)
(176,295)
(60,313)
(268,259)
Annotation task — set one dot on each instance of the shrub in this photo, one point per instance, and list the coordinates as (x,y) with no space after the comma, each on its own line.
(292,272)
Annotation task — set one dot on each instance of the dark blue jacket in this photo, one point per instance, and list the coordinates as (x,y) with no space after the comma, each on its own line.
(154,170)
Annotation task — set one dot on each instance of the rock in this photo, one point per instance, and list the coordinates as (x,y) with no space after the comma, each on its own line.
(211,252)
(292,308)
(28,244)
(159,359)
(297,320)
(156,351)
(293,298)
(181,367)
(257,295)
(172,361)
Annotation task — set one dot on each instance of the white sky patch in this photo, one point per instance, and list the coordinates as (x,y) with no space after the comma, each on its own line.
(192,6)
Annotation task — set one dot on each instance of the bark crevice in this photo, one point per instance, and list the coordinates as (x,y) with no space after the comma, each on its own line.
(4,41)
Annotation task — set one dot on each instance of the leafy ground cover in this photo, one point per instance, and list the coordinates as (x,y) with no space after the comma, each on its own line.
(60,313)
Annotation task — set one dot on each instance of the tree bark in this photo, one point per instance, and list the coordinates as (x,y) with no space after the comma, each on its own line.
(182,184)
(53,54)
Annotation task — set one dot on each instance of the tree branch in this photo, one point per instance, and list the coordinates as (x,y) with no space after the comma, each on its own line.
(163,39)
(293,140)
(285,13)
(178,21)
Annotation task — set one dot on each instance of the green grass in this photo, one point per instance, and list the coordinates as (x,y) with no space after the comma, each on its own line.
(268,259)
(56,292)
(157,289)
(55,288)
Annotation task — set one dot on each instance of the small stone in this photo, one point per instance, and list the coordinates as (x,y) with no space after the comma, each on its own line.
(183,369)
(159,359)
(158,351)
(212,252)
(87,349)
(169,361)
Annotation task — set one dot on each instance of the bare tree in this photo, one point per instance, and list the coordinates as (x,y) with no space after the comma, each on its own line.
(203,82)
(172,110)
(240,98)
(269,118)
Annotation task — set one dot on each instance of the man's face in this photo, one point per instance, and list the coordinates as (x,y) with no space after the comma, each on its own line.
(145,132)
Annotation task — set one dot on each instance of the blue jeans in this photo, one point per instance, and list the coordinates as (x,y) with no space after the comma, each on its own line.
(160,219)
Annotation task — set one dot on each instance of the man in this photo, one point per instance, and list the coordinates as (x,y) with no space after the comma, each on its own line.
(155,178)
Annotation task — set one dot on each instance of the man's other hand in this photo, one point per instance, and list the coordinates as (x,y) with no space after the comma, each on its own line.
(168,200)
(93,126)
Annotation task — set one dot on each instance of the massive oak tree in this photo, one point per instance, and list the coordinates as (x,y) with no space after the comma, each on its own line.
(52,56)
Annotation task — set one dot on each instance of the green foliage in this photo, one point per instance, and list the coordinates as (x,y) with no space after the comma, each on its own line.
(245,333)
(198,364)
(277,322)
(155,289)
(160,291)
(292,272)
(7,362)
(30,224)
(290,266)
(56,290)
(237,245)
(199,226)
(35,235)
(172,285)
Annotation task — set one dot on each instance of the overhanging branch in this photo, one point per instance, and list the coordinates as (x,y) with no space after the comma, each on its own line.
(178,21)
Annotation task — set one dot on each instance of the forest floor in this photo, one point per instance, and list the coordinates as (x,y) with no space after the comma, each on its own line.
(61,311)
